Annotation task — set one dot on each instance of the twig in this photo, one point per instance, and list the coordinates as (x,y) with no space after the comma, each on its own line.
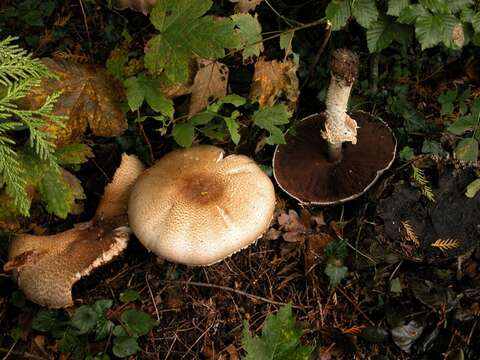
(149,145)
(151,295)
(355,305)
(25,355)
(226,288)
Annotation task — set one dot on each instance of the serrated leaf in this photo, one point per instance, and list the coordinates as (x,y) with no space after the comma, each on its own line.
(232,126)
(280,339)
(410,14)
(462,125)
(365,12)
(437,6)
(74,154)
(467,15)
(250,32)
(429,30)
(129,295)
(45,320)
(476,22)
(184,34)
(473,188)
(100,306)
(124,346)
(84,319)
(234,99)
(268,118)
(396,6)
(183,134)
(137,322)
(336,273)
(56,193)
(338,12)
(379,35)
(457,5)
(135,93)
(467,150)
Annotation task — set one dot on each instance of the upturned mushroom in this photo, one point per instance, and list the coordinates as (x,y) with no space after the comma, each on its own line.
(46,267)
(196,207)
(334,157)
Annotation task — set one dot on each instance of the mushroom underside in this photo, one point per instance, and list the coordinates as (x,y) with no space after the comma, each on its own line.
(302,168)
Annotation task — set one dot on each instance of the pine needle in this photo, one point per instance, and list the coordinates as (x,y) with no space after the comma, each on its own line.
(446,244)
(409,232)
(423,183)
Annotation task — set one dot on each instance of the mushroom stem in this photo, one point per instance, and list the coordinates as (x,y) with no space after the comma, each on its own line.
(339,127)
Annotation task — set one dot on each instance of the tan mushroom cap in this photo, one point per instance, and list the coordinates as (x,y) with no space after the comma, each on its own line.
(196,207)
(46,267)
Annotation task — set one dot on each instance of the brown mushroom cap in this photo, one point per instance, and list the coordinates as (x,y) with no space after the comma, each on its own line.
(302,169)
(143,6)
(46,267)
(196,207)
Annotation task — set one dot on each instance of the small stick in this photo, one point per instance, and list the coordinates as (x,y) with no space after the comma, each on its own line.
(339,127)
(226,288)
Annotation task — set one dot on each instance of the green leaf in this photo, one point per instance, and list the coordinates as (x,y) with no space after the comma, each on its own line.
(280,339)
(142,88)
(74,154)
(184,34)
(250,33)
(233,99)
(124,346)
(429,30)
(446,100)
(432,147)
(201,118)
(379,35)
(183,134)
(129,295)
(336,273)
(463,124)
(467,15)
(70,343)
(103,328)
(137,322)
(268,118)
(286,40)
(338,12)
(476,22)
(56,193)
(467,150)
(232,126)
(473,188)
(396,286)
(101,306)
(406,153)
(410,14)
(396,6)
(437,6)
(365,12)
(457,5)
(84,319)
(116,64)
(45,320)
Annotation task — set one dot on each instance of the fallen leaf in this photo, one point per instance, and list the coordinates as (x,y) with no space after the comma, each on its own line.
(242,6)
(275,79)
(404,336)
(143,6)
(89,97)
(209,85)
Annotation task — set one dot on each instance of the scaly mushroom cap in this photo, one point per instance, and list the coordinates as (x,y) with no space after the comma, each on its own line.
(197,207)
(46,267)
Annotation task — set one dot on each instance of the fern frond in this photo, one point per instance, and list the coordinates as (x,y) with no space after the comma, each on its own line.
(423,183)
(446,244)
(68,55)
(409,232)
(17,64)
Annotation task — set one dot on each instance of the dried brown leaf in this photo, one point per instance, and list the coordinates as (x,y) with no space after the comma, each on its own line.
(143,6)
(409,232)
(446,244)
(275,79)
(209,85)
(89,97)
(243,6)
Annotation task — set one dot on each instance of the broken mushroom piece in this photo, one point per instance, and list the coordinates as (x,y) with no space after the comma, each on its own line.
(334,157)
(47,267)
(197,207)
(143,6)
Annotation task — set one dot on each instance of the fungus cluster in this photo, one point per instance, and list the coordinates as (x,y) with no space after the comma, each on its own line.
(335,156)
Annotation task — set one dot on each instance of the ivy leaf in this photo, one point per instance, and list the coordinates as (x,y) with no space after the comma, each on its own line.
(137,322)
(338,12)
(183,134)
(250,32)
(184,34)
(268,118)
(84,319)
(467,150)
(280,339)
(365,12)
(429,30)
(379,35)
(141,88)
(336,273)
(396,6)
(462,125)
(124,346)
